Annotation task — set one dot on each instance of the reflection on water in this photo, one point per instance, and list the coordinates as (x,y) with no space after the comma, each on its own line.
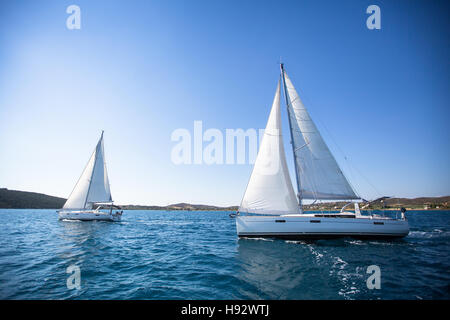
(281,269)
(274,268)
(80,238)
(336,269)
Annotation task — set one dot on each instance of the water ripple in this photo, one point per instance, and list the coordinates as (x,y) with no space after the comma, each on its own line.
(196,255)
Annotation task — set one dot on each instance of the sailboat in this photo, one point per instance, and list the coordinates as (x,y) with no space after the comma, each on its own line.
(271,209)
(91,197)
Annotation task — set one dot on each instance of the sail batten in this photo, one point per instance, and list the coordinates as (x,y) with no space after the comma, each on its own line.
(269,190)
(318,174)
(93,185)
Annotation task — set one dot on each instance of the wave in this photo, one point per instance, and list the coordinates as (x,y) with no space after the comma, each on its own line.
(429,234)
(259,239)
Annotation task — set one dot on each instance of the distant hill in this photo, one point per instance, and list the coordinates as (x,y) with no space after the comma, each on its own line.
(422,203)
(13,199)
(181,206)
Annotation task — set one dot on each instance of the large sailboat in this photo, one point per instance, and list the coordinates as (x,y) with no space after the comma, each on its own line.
(270,207)
(91,197)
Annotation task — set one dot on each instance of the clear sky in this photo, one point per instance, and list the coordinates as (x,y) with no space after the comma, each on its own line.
(141,69)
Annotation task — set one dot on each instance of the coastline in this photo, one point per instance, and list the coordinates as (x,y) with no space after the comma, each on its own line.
(234,210)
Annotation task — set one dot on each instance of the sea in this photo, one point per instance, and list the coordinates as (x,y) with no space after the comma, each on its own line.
(197,255)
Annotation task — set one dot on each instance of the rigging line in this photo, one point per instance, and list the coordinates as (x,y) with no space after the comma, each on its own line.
(93,170)
(367,180)
(352,178)
(313,179)
(288,107)
(105,169)
(310,180)
(342,152)
(301,147)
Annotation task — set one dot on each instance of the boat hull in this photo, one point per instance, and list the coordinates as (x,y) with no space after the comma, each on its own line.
(88,216)
(311,227)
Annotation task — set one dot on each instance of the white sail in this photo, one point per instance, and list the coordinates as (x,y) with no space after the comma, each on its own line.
(269,190)
(318,174)
(93,185)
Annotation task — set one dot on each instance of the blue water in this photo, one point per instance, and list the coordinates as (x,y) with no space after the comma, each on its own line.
(196,255)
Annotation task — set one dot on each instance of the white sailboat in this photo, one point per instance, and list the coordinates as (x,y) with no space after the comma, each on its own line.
(91,197)
(270,207)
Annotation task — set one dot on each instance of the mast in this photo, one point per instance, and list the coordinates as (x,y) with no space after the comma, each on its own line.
(297,178)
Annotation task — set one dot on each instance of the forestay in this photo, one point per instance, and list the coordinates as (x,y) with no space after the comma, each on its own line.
(93,185)
(269,190)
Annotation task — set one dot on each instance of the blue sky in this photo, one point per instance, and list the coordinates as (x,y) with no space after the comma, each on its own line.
(141,69)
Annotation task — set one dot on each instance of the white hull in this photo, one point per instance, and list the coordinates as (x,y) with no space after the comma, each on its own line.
(88,215)
(310,226)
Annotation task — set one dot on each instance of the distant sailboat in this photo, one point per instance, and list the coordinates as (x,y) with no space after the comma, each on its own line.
(91,198)
(270,192)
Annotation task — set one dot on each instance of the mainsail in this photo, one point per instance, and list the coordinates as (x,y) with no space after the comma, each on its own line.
(93,185)
(318,174)
(269,190)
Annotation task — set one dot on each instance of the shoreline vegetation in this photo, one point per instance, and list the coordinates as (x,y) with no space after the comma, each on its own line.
(15,199)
